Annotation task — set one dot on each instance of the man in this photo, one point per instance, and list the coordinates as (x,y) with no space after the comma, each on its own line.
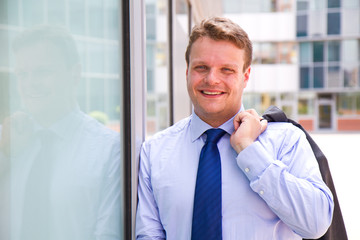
(64,175)
(271,187)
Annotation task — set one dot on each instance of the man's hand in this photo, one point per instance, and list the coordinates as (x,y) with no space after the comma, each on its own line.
(248,126)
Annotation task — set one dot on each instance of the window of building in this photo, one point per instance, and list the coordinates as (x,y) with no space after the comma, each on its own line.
(350,21)
(157,65)
(61,74)
(305,52)
(334,3)
(318,77)
(334,77)
(301,25)
(351,75)
(304,77)
(333,23)
(268,53)
(350,51)
(318,51)
(317,23)
(306,104)
(348,104)
(274,53)
(317,5)
(302,5)
(350,3)
(334,51)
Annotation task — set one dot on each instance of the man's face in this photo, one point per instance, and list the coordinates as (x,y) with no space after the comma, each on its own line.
(45,82)
(216,80)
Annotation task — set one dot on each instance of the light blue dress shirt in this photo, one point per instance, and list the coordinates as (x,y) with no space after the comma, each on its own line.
(272,190)
(85,196)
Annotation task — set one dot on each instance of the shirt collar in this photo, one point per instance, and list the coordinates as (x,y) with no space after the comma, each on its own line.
(66,126)
(198,126)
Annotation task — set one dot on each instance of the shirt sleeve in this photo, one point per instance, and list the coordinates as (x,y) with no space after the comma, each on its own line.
(148,224)
(109,220)
(282,169)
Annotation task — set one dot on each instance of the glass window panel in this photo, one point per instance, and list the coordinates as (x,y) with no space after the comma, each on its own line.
(350,24)
(334,51)
(318,77)
(112,58)
(334,79)
(157,65)
(304,77)
(346,103)
(96,53)
(256,53)
(333,3)
(333,24)
(64,161)
(9,12)
(350,3)
(56,12)
(306,106)
(96,91)
(317,5)
(96,18)
(305,52)
(4,48)
(287,52)
(112,104)
(317,23)
(111,19)
(351,75)
(32,12)
(182,7)
(318,51)
(350,51)
(254,6)
(268,53)
(77,16)
(302,5)
(301,25)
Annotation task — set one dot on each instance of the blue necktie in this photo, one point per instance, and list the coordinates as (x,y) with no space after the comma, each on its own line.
(207,219)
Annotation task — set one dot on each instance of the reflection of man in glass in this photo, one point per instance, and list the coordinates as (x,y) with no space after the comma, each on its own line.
(65,166)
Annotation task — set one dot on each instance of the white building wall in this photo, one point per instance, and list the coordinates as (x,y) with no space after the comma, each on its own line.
(277,27)
(274,78)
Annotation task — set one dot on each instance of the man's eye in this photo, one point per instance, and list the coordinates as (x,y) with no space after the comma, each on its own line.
(201,67)
(228,70)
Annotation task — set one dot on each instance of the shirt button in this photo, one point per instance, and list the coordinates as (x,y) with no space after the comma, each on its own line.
(261,192)
(247,169)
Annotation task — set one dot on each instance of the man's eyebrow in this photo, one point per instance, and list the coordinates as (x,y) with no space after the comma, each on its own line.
(198,62)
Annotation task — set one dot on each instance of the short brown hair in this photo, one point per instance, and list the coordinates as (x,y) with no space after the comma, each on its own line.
(56,35)
(218,28)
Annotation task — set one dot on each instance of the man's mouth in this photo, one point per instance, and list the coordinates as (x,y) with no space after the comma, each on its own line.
(211,93)
(36,94)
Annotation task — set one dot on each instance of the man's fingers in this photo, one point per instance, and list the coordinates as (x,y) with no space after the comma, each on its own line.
(263,123)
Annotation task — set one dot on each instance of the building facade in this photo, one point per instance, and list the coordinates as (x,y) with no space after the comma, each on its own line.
(306,59)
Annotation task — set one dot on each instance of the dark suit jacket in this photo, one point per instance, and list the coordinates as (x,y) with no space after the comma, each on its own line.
(337,230)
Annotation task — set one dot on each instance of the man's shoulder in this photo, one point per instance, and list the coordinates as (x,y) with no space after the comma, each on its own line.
(283,130)
(173,132)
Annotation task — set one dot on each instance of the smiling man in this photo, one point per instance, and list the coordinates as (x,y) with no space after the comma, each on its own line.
(64,175)
(223,173)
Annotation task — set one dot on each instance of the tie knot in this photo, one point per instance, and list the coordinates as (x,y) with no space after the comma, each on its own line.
(214,135)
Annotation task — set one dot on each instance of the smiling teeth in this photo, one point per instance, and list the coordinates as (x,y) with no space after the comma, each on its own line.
(211,93)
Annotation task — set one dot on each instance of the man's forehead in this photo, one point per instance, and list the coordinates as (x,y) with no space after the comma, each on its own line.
(44,53)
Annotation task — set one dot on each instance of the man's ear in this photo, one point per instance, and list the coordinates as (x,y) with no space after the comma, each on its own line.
(187,70)
(247,76)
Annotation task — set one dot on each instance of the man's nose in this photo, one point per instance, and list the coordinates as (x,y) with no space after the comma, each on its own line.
(212,77)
